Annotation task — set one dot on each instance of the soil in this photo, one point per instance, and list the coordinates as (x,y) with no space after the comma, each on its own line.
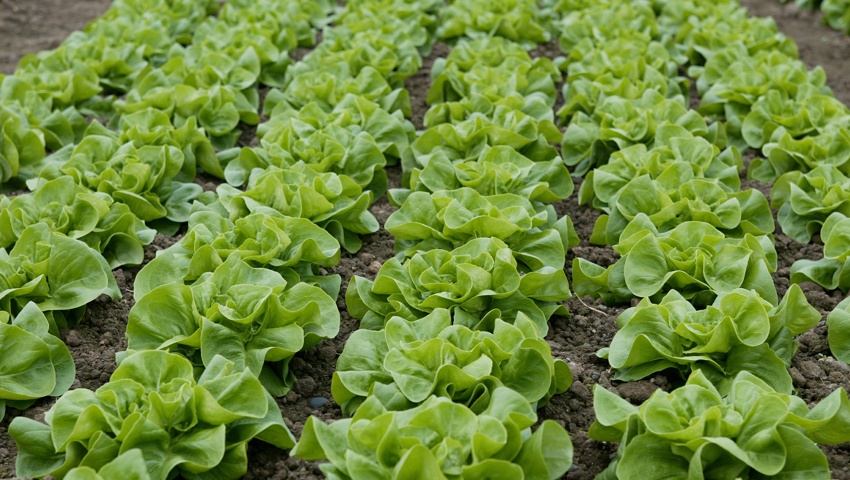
(28,26)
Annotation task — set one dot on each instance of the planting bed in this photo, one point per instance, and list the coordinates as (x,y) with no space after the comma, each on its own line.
(36,24)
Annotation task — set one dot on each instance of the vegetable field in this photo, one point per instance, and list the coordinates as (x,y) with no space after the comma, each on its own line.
(400,239)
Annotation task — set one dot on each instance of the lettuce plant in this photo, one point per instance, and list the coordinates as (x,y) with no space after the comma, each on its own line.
(478,282)
(356,139)
(805,200)
(516,20)
(152,127)
(625,67)
(147,179)
(732,81)
(409,361)
(694,258)
(784,154)
(390,131)
(618,123)
(35,363)
(739,331)
(333,202)
(218,108)
(440,439)
(602,21)
(450,218)
(56,273)
(468,139)
(535,106)
(497,170)
(669,202)
(403,21)
(696,431)
(332,149)
(395,59)
(835,14)
(294,247)
(58,128)
(286,23)
(674,160)
(328,85)
(833,270)
(240,54)
(248,315)
(702,29)
(153,403)
(492,68)
(93,217)
(807,114)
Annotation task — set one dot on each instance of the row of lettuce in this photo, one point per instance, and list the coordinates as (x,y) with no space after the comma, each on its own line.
(694,249)
(444,376)
(220,314)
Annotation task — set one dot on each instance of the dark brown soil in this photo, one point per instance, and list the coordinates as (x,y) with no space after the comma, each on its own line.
(29,26)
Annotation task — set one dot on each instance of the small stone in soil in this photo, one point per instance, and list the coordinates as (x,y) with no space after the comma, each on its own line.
(317,402)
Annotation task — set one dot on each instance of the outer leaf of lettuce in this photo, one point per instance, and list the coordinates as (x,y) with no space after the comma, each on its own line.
(35,363)
(153,403)
(838,328)
(129,465)
(833,270)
